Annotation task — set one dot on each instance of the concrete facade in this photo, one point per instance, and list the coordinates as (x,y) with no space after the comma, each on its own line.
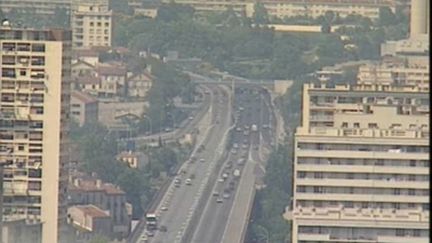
(34,107)
(91,24)
(84,108)
(108,198)
(361,167)
(292,8)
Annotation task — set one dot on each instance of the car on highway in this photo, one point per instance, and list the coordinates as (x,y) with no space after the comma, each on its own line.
(219,200)
(235,145)
(144,239)
(202,160)
(150,233)
(188,181)
(215,194)
(164,208)
(224,175)
(163,228)
(238,129)
(177,182)
(244,146)
(226,195)
(234,151)
(191,118)
(221,180)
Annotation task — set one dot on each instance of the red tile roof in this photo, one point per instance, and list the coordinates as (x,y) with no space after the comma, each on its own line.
(88,80)
(110,70)
(83,97)
(92,211)
(91,185)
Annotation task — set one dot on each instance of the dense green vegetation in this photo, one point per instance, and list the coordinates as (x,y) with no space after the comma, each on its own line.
(168,84)
(98,149)
(29,18)
(267,224)
(246,47)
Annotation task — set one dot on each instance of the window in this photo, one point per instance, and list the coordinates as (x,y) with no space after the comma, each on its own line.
(356,125)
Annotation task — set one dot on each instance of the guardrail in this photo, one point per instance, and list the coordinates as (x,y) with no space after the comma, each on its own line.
(190,229)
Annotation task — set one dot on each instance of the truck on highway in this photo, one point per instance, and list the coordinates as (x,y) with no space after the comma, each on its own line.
(254,128)
(151,221)
(236,173)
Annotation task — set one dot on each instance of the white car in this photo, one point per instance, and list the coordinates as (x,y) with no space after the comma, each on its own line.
(188,181)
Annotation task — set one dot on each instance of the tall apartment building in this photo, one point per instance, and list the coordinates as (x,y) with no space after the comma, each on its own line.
(361,167)
(34,106)
(91,23)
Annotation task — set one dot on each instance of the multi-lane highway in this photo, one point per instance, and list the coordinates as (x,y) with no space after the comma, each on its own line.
(224,218)
(211,197)
(178,204)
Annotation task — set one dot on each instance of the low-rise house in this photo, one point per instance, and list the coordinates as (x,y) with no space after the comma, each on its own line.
(88,84)
(107,197)
(133,159)
(112,79)
(82,68)
(83,108)
(89,221)
(88,55)
(138,85)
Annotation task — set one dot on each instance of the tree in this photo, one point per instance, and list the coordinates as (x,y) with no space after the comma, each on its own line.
(386,17)
(325,28)
(99,239)
(260,15)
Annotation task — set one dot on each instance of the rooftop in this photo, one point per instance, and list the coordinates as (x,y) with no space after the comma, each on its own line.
(83,97)
(95,185)
(92,211)
(88,80)
(111,70)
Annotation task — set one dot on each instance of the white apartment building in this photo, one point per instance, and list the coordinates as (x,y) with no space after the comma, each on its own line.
(361,168)
(34,107)
(292,8)
(316,8)
(393,73)
(91,24)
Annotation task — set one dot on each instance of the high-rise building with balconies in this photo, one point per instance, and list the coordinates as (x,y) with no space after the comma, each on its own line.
(361,167)
(91,23)
(34,107)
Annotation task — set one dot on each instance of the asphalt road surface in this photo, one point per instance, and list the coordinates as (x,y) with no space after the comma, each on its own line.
(178,204)
(251,108)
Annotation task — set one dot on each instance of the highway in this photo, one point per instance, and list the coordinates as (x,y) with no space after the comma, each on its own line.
(227,221)
(178,204)
(187,126)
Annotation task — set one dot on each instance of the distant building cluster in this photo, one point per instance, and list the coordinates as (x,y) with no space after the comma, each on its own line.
(292,8)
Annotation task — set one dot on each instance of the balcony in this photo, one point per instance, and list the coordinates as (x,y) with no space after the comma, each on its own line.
(362,183)
(360,154)
(320,118)
(361,197)
(414,217)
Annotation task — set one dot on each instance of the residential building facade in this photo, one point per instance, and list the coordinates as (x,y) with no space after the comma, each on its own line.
(34,109)
(106,197)
(84,108)
(292,8)
(89,222)
(91,23)
(361,166)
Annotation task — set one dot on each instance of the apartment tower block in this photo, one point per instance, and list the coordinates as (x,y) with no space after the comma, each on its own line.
(361,166)
(34,106)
